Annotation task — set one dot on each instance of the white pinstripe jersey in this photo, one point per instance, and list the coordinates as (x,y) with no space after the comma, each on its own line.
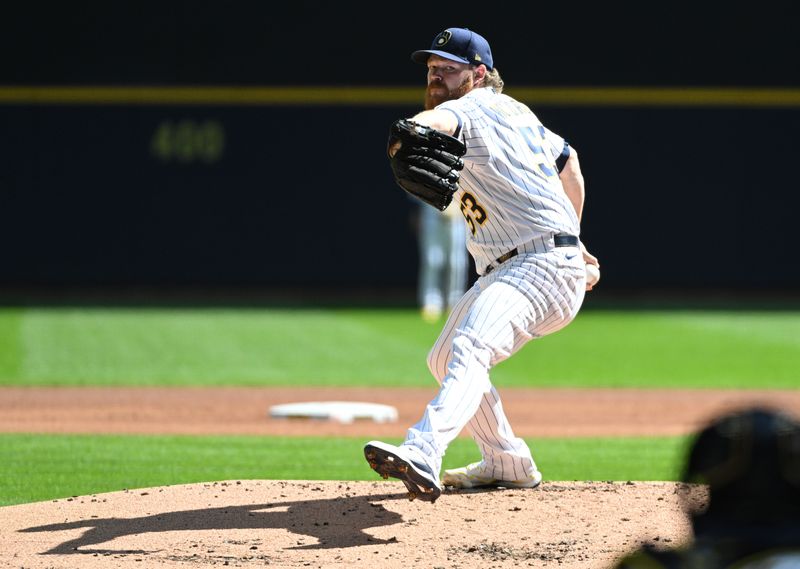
(510,191)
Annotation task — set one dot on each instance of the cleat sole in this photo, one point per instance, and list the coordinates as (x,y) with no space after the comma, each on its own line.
(387,464)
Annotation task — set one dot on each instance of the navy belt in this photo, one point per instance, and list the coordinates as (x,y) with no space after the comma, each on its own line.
(560,240)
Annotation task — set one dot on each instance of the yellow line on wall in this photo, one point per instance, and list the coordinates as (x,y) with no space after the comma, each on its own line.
(659,97)
(391,96)
(203,95)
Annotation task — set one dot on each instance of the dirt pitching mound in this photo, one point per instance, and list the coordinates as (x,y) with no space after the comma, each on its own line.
(251,523)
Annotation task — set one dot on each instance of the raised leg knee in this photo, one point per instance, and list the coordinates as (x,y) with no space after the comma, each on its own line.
(437,363)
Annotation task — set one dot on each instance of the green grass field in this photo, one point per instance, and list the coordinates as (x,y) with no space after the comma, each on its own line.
(362,347)
(42,467)
(353,347)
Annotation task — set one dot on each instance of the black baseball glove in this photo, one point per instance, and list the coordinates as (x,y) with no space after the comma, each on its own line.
(427,163)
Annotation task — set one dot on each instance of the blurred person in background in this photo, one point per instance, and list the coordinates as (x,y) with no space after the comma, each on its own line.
(443,260)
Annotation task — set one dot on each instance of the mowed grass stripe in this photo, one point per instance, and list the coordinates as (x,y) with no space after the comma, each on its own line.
(11,349)
(387,347)
(45,467)
(219,346)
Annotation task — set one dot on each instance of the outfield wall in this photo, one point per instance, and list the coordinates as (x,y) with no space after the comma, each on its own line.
(112,179)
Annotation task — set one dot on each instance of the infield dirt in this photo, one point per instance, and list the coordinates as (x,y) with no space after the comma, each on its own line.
(249,523)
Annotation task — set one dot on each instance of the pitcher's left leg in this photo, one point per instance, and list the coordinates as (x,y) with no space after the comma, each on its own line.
(556,294)
(485,336)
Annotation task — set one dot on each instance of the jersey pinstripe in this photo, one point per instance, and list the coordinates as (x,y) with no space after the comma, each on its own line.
(510,192)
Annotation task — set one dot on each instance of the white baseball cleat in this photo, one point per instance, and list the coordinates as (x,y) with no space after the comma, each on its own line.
(475,476)
(389,460)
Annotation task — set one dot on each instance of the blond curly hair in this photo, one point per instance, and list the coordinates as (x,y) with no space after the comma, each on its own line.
(493,79)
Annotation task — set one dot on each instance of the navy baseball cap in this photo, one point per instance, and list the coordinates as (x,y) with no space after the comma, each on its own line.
(457,44)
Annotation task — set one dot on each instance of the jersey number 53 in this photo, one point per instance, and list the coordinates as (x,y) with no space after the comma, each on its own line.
(473,213)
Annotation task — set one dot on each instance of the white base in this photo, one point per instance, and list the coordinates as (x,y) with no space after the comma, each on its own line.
(341,411)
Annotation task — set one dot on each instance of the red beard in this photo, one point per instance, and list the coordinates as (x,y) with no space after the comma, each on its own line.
(442,93)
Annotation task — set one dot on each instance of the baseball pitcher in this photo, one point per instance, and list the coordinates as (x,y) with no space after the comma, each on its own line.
(520,191)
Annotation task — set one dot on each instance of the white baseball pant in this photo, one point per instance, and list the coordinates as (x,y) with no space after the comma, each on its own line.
(528,296)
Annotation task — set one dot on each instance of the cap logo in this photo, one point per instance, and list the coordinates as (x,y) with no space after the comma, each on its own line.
(443,37)
(477,57)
